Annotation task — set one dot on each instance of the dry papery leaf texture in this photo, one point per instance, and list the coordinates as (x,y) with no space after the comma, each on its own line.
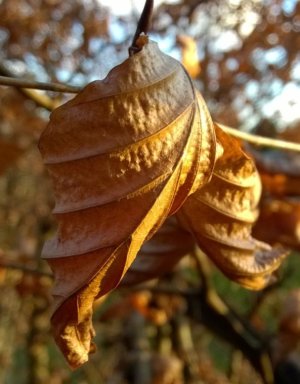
(124,155)
(221,216)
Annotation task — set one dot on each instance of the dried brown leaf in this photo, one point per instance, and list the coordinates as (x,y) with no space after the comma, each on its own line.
(222,213)
(123,155)
(160,254)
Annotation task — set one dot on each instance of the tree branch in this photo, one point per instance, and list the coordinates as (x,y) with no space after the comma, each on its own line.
(207,307)
(42,100)
(21,83)
(261,140)
(224,321)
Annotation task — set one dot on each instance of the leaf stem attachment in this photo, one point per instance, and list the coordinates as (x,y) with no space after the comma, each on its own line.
(142,27)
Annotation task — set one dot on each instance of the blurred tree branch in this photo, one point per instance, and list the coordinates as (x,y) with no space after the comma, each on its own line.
(42,100)
(261,140)
(220,318)
(205,306)
(29,89)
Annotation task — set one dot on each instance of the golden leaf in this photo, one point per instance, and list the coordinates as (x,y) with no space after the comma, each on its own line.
(123,155)
(160,254)
(222,213)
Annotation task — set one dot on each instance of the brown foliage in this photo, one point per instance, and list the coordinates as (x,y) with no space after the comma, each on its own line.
(280,207)
(9,152)
(143,140)
(47,24)
(222,213)
(159,254)
(74,41)
(125,154)
(279,222)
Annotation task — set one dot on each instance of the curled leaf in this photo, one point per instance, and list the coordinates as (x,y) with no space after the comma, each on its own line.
(123,155)
(160,254)
(222,213)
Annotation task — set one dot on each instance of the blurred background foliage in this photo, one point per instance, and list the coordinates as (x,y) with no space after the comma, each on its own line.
(244,57)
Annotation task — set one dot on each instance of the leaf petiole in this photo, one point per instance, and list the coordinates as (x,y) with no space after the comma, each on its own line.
(142,27)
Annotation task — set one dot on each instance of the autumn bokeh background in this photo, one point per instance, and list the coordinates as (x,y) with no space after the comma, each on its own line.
(244,57)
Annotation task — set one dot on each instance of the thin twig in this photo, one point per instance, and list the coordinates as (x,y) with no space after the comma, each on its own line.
(21,83)
(41,99)
(143,26)
(261,140)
